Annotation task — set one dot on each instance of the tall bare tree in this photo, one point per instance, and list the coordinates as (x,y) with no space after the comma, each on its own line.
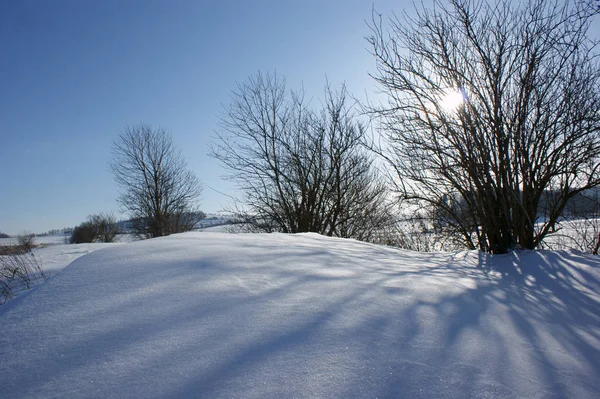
(493,108)
(158,189)
(299,170)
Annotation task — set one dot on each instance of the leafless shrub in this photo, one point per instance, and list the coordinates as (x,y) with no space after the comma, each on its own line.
(19,271)
(84,233)
(26,240)
(582,234)
(105,226)
(416,232)
(100,227)
(587,235)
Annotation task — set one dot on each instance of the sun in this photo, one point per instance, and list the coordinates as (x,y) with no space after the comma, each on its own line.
(451,100)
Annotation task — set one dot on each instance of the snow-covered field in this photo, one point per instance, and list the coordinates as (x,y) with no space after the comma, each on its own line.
(54,258)
(40,240)
(53,253)
(270,315)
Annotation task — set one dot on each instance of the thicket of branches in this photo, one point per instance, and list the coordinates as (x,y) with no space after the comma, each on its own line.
(493,113)
(158,190)
(19,270)
(299,169)
(99,227)
(26,241)
(579,226)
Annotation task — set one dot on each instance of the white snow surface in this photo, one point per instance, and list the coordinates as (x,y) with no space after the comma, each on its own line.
(56,257)
(213,315)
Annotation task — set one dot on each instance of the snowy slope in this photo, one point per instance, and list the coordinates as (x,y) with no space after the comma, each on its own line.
(54,258)
(253,316)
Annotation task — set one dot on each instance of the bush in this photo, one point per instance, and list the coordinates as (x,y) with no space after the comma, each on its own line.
(97,228)
(26,241)
(105,226)
(83,233)
(18,271)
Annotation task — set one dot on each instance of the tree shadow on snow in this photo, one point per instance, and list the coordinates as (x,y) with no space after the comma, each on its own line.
(308,320)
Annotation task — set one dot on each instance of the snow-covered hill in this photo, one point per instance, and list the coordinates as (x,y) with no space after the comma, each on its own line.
(253,316)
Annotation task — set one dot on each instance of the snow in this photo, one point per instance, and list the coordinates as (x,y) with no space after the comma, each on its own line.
(271,315)
(56,257)
(54,254)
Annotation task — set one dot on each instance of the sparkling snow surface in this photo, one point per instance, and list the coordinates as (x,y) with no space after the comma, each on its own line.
(303,316)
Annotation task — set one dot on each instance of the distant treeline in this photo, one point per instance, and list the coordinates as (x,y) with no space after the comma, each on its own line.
(583,205)
(57,232)
(189,219)
(124,225)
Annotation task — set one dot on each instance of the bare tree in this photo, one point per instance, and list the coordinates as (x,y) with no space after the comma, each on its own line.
(299,170)
(158,189)
(493,107)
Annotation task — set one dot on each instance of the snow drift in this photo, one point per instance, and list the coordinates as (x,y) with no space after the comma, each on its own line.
(253,316)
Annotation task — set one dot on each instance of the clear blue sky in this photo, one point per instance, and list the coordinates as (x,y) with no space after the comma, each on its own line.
(75,73)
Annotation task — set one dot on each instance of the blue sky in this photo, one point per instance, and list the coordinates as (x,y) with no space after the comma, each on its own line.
(75,73)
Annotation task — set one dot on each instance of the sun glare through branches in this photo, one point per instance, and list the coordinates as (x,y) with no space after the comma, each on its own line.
(452,100)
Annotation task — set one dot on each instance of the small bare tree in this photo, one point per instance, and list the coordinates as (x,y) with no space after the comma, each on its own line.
(493,114)
(299,170)
(158,189)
